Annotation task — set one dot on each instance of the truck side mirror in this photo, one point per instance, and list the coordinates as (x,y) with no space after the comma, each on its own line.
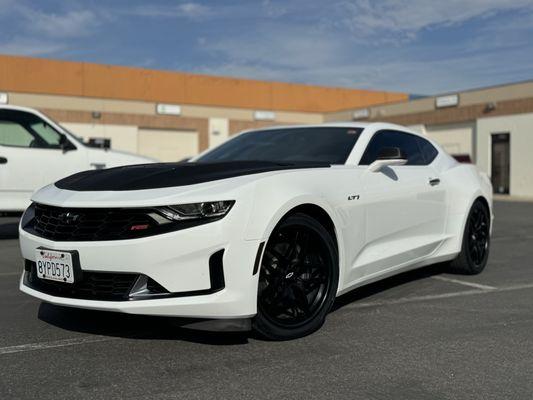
(65,144)
(100,143)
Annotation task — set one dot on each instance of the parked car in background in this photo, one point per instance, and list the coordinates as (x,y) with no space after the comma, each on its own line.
(268,228)
(36,151)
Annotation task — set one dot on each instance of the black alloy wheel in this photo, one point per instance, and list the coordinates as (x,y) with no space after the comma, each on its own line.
(298,279)
(476,242)
(478,235)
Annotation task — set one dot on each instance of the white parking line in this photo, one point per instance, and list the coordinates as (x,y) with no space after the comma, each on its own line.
(459,282)
(414,299)
(54,344)
(10,273)
(512,237)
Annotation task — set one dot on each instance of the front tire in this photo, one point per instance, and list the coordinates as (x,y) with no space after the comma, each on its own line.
(298,279)
(476,242)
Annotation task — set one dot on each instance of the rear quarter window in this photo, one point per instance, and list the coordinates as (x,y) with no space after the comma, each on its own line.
(428,150)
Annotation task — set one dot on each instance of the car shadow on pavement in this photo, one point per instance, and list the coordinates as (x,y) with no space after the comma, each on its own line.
(133,326)
(9,228)
(372,289)
(165,328)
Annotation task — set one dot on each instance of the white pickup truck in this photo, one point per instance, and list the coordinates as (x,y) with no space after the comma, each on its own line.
(36,151)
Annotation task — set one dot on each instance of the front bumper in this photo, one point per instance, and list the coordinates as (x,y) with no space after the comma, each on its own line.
(178,261)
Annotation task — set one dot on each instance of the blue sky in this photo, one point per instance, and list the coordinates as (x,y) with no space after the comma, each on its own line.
(417,46)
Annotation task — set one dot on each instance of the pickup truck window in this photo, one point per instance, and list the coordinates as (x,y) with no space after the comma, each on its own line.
(23,129)
(13,134)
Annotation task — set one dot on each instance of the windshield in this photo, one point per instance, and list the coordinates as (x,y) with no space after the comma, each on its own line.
(323,144)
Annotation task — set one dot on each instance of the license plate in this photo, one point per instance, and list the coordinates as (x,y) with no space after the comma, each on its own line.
(54,265)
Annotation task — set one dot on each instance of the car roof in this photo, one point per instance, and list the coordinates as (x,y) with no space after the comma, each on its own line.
(299,126)
(17,108)
(344,124)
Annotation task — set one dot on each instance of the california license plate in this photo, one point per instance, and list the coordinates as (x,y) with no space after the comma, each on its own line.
(54,265)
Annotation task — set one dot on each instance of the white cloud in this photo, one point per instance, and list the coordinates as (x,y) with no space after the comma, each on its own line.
(377,45)
(397,20)
(274,10)
(37,32)
(279,46)
(193,9)
(30,47)
(68,24)
(245,10)
(184,10)
(438,76)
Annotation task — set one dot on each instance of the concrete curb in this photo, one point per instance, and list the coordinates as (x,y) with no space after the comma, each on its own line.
(503,197)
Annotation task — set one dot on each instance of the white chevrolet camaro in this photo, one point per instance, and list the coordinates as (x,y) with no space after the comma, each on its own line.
(268,228)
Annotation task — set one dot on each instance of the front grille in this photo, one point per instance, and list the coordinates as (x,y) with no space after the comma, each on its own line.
(106,286)
(89,224)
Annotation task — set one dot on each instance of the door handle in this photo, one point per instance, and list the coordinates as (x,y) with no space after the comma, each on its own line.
(434,181)
(3,160)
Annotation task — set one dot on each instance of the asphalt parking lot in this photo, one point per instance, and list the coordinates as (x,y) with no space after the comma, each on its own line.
(422,335)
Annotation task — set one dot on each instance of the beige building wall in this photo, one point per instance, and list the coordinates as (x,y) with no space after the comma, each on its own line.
(520,129)
(81,103)
(454,138)
(149,108)
(420,128)
(123,137)
(167,145)
(218,131)
(494,94)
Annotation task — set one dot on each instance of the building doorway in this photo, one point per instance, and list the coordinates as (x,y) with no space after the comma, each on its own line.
(501,160)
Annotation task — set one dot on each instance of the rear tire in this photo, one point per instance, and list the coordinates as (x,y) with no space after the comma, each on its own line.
(298,279)
(476,242)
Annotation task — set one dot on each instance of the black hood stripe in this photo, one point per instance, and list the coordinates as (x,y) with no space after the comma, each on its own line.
(161,175)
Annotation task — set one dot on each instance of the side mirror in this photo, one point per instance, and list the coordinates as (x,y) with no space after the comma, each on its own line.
(100,143)
(388,157)
(65,144)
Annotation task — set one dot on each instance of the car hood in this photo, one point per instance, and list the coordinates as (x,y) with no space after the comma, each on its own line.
(165,175)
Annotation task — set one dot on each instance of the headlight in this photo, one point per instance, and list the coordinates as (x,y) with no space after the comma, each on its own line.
(209,209)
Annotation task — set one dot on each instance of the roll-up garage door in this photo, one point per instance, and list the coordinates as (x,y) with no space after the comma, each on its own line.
(167,145)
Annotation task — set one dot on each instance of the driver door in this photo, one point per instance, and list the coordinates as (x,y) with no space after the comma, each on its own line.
(404,209)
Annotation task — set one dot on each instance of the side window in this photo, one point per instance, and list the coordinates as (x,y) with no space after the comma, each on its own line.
(23,129)
(49,135)
(428,150)
(13,134)
(406,142)
(378,141)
